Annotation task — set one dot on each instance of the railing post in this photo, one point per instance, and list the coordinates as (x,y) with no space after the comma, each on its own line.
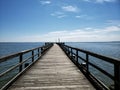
(38,52)
(117,76)
(71,52)
(63,48)
(68,52)
(41,50)
(32,55)
(45,47)
(87,66)
(20,60)
(77,56)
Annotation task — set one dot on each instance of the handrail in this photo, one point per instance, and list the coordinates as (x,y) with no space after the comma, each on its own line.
(4,58)
(74,56)
(102,57)
(40,51)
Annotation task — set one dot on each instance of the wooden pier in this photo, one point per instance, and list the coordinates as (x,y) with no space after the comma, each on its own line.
(54,71)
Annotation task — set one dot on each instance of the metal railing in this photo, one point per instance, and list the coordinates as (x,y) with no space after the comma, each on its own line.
(23,64)
(73,54)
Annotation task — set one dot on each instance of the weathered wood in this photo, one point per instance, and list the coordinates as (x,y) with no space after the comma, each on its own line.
(54,71)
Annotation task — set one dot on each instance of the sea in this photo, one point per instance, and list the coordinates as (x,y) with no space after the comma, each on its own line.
(110,49)
(7,48)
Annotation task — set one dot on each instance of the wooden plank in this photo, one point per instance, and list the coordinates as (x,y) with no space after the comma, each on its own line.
(54,71)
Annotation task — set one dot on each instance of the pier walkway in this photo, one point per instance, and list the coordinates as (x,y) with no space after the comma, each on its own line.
(54,71)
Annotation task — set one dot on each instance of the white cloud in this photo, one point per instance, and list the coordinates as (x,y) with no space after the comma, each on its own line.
(62,14)
(112,28)
(58,14)
(58,32)
(85,17)
(88,34)
(87,0)
(113,22)
(45,2)
(81,16)
(70,8)
(81,35)
(78,16)
(99,1)
(88,28)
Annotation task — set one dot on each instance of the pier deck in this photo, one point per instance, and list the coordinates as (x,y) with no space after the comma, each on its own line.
(54,71)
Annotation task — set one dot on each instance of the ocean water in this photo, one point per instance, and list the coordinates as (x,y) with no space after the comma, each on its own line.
(110,49)
(7,48)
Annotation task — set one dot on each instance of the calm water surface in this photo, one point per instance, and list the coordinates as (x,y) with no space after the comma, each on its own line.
(10,48)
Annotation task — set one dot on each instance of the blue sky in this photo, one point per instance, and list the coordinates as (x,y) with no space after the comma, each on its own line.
(69,20)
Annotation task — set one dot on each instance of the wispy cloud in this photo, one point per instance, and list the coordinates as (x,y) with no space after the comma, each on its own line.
(84,17)
(113,22)
(99,1)
(58,14)
(102,1)
(58,32)
(62,13)
(80,16)
(112,28)
(70,8)
(82,35)
(45,2)
(88,34)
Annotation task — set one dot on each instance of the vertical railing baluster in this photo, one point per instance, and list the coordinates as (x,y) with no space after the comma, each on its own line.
(67,50)
(20,60)
(41,50)
(32,55)
(77,56)
(64,48)
(117,76)
(87,62)
(71,52)
(38,53)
